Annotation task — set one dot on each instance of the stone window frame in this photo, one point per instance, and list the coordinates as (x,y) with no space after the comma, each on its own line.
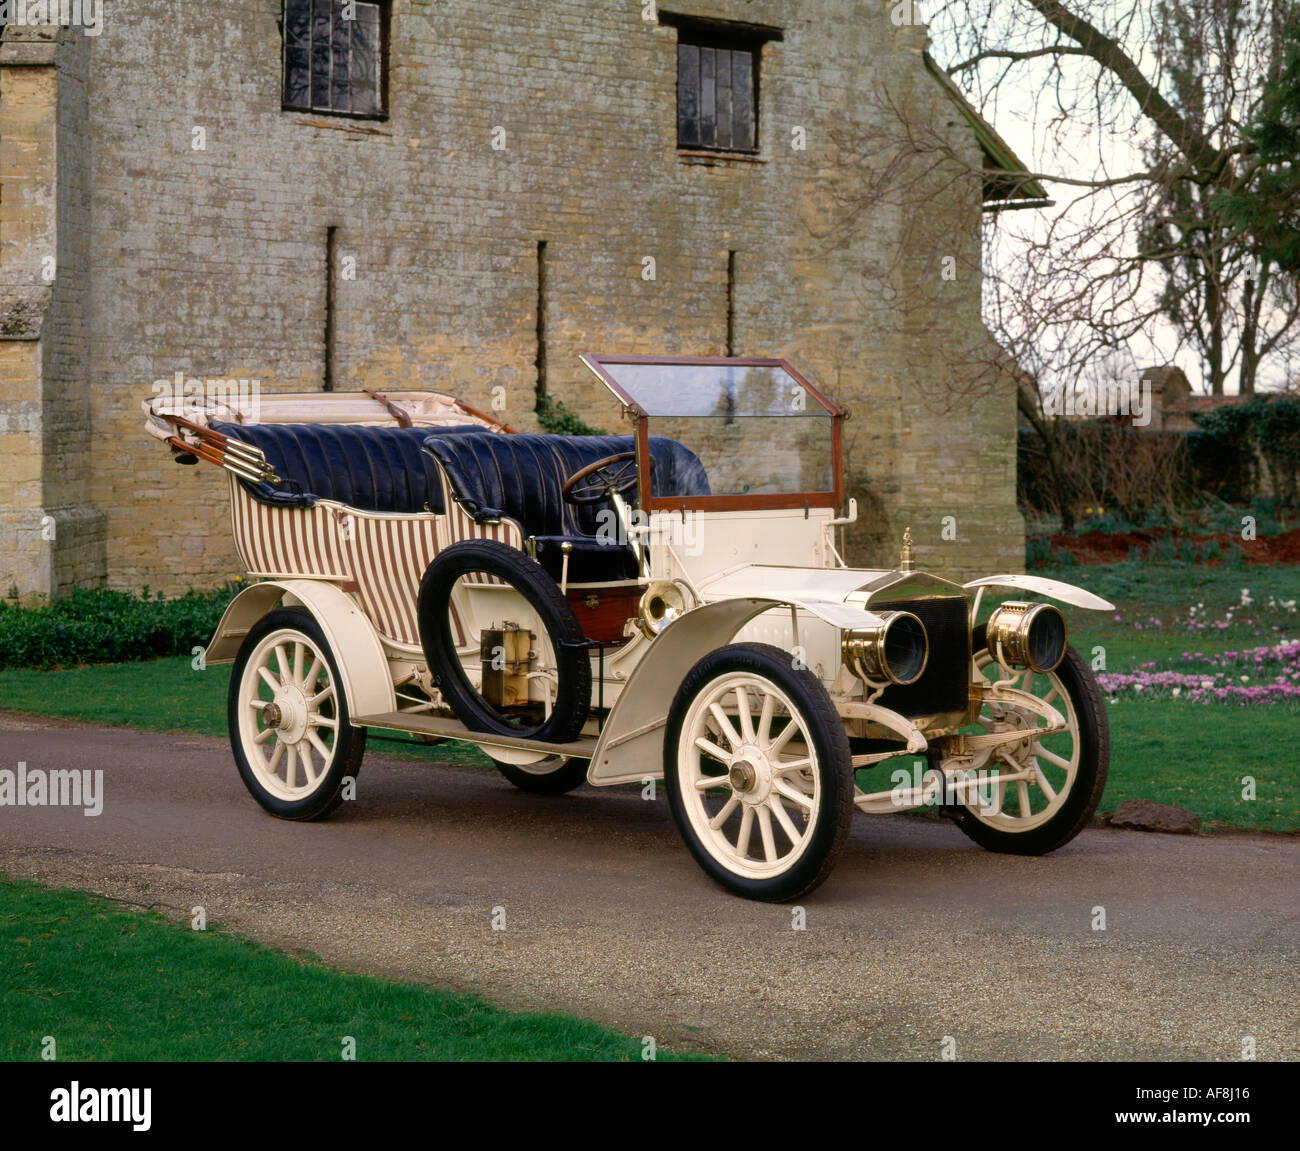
(310,107)
(728,36)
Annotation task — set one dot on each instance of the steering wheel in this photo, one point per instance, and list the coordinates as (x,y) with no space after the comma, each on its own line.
(614,475)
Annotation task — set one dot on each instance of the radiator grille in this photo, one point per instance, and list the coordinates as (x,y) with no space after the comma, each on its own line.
(944,684)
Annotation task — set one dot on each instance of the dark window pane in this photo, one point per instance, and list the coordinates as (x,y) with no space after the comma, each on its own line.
(320,54)
(688,95)
(708,94)
(742,101)
(333,63)
(364,61)
(297,53)
(339,101)
(724,97)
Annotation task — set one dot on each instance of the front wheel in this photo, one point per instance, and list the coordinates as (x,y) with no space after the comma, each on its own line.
(758,771)
(1067,767)
(288,717)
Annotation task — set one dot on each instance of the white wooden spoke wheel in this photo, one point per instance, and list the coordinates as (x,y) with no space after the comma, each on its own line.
(751,789)
(1040,791)
(759,775)
(1051,756)
(288,718)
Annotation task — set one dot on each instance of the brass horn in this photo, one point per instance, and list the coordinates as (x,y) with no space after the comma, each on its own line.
(662,603)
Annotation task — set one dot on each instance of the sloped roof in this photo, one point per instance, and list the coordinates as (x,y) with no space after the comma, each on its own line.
(998,156)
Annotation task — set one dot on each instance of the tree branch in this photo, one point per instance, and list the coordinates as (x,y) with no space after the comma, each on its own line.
(1008,54)
(1108,53)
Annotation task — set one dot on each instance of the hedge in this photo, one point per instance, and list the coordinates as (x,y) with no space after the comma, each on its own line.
(109,627)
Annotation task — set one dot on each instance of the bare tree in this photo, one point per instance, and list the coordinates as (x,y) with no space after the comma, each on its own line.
(1137,111)
(1164,87)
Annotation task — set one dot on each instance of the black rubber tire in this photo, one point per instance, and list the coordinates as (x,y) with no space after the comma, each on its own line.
(835,766)
(1094,764)
(568,775)
(350,744)
(526,576)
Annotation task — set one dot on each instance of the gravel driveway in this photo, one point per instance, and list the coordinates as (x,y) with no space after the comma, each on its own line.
(918,935)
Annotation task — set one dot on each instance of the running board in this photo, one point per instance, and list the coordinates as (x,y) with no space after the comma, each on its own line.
(445,728)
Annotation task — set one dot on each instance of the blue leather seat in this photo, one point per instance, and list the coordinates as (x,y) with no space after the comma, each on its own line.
(522,477)
(369,467)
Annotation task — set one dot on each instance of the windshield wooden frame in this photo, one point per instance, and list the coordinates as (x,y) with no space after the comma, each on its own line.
(832,498)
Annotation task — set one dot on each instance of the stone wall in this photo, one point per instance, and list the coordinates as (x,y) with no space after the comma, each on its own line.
(51,538)
(212,261)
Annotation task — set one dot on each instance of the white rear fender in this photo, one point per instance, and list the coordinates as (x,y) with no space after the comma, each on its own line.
(1053,589)
(363,667)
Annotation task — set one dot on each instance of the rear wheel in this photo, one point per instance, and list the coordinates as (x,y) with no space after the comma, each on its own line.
(288,718)
(758,772)
(554,775)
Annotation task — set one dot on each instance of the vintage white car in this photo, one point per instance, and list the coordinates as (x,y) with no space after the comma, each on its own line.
(670,604)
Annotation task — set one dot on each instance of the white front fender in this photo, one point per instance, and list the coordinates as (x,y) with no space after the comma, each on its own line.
(631,744)
(1055,589)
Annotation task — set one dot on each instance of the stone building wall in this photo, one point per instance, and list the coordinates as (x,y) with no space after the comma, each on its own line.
(51,537)
(212,261)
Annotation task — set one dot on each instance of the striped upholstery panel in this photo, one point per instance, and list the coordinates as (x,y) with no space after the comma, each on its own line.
(388,556)
(385,556)
(286,541)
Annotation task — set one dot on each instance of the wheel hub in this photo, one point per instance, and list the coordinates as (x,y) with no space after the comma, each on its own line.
(1022,750)
(742,776)
(290,709)
(750,775)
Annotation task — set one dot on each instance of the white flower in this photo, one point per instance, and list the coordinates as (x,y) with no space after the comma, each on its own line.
(1177,692)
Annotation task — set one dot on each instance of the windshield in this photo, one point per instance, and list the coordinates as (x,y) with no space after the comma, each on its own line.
(759,429)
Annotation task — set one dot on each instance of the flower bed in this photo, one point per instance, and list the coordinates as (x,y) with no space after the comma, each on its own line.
(1257,675)
(1249,614)
(1164,544)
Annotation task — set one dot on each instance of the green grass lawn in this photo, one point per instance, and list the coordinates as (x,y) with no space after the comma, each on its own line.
(167,695)
(112,984)
(1154,601)
(1176,751)
(1173,751)
(1196,756)
(154,695)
